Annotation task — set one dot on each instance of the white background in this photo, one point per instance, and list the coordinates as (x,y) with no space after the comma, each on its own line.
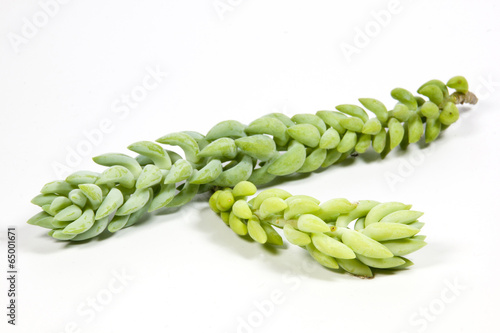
(233,59)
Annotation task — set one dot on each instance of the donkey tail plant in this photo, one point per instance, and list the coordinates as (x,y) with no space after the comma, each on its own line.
(87,203)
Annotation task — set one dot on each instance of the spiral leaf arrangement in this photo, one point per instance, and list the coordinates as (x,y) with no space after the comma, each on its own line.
(86,203)
(382,232)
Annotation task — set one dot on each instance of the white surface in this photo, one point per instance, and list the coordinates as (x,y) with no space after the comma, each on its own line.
(190,272)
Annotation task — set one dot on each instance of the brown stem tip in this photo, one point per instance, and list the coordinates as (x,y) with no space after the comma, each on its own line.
(467,98)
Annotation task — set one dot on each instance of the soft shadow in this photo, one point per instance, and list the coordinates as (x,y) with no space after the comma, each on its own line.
(285,179)
(369,156)
(167,210)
